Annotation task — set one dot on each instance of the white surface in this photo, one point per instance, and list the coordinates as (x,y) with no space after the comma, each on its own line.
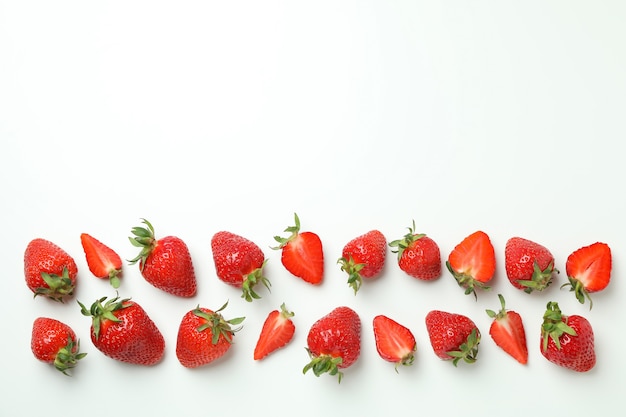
(202,116)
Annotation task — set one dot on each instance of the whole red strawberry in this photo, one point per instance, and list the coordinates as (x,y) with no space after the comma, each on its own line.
(302,253)
(507,331)
(334,342)
(529,265)
(103,262)
(278,330)
(123,331)
(363,257)
(473,262)
(165,263)
(239,262)
(453,336)
(588,270)
(49,270)
(567,341)
(394,342)
(55,342)
(204,336)
(418,255)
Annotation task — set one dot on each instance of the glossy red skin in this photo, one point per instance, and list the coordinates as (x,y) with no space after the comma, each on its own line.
(337,334)
(447,331)
(41,255)
(369,249)
(422,259)
(169,267)
(134,339)
(577,352)
(519,257)
(49,336)
(194,348)
(235,257)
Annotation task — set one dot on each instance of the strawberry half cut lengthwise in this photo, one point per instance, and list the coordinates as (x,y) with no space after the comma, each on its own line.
(507,331)
(588,271)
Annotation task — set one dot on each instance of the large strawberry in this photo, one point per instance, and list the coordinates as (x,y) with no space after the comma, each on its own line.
(394,342)
(507,331)
(529,265)
(103,262)
(567,341)
(55,342)
(204,336)
(334,342)
(473,262)
(165,263)
(453,336)
(302,253)
(278,330)
(418,255)
(122,330)
(363,257)
(49,270)
(588,270)
(239,262)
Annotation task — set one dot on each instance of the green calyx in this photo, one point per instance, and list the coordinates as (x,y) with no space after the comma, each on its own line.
(467,281)
(323,364)
(554,326)
(143,237)
(500,314)
(251,280)
(579,291)
(100,312)
(353,269)
(468,351)
(294,230)
(401,245)
(68,356)
(218,325)
(58,286)
(540,279)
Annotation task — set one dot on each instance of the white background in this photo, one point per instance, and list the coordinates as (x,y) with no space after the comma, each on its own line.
(203,115)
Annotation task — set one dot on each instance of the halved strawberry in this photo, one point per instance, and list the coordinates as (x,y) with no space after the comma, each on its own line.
(302,253)
(102,261)
(588,270)
(473,262)
(394,342)
(507,331)
(277,331)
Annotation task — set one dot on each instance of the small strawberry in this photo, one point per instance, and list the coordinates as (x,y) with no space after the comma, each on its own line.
(165,263)
(55,342)
(567,341)
(278,330)
(453,336)
(394,342)
(588,270)
(239,262)
(529,265)
(122,330)
(302,253)
(334,342)
(363,257)
(102,261)
(49,270)
(418,255)
(507,331)
(204,336)
(473,262)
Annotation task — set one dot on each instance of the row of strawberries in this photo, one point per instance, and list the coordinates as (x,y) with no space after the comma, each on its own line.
(205,335)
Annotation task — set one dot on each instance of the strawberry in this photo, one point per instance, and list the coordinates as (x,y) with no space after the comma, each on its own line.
(394,342)
(529,265)
(103,262)
(278,330)
(418,255)
(453,336)
(204,336)
(363,257)
(567,341)
(334,342)
(507,331)
(239,262)
(302,253)
(49,270)
(122,330)
(473,262)
(588,270)
(165,263)
(55,342)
